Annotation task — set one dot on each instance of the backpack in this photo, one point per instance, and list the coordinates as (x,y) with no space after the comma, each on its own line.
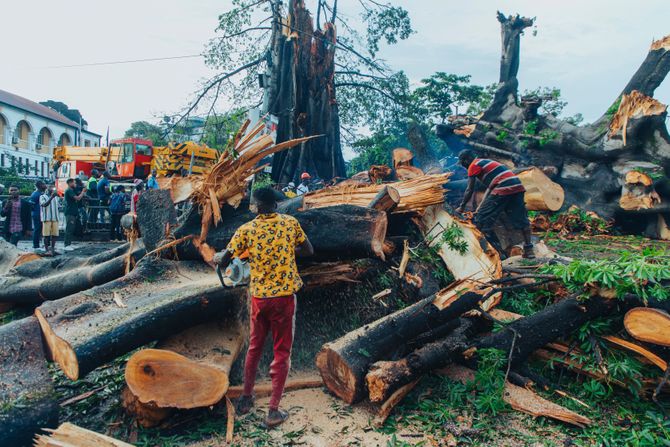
(117,204)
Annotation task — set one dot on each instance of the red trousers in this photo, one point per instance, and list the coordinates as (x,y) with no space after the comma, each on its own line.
(275,314)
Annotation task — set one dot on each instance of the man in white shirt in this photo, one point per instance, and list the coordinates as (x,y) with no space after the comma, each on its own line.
(303,187)
(49,202)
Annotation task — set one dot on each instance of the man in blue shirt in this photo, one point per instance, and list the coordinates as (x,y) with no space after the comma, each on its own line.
(40,187)
(104,192)
(152,183)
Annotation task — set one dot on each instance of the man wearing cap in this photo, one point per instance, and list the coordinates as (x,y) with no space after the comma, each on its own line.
(303,187)
(272,241)
(504,193)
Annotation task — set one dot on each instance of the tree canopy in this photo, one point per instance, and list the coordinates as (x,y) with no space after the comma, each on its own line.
(63,109)
(148,131)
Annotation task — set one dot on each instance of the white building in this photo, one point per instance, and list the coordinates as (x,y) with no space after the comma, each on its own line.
(29,131)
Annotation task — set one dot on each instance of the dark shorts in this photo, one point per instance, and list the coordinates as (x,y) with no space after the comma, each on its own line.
(512,205)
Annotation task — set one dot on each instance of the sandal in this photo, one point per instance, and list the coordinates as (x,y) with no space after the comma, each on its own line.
(275,418)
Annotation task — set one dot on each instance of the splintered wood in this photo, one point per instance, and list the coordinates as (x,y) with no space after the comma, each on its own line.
(542,194)
(415,195)
(70,435)
(634,105)
(638,192)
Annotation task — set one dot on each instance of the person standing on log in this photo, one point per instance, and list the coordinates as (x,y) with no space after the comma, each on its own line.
(272,240)
(48,204)
(504,193)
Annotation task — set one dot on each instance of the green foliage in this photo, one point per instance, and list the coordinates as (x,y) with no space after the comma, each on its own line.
(552,104)
(220,129)
(454,238)
(641,274)
(547,135)
(442,94)
(430,256)
(63,109)
(10,176)
(489,382)
(147,131)
(531,127)
(391,23)
(262,181)
(502,135)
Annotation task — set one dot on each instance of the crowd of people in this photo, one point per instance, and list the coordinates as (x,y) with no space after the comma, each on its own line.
(88,202)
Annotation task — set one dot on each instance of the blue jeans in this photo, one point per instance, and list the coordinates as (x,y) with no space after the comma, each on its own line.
(37,231)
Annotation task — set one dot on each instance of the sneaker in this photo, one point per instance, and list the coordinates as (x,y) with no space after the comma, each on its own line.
(245,404)
(69,248)
(275,418)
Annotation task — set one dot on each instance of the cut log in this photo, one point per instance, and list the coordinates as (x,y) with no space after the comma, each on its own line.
(339,232)
(415,194)
(27,399)
(402,157)
(188,370)
(521,337)
(472,262)
(648,325)
(385,377)
(522,399)
(39,281)
(542,194)
(344,362)
(638,192)
(155,214)
(384,410)
(379,173)
(162,297)
(70,435)
(386,200)
(265,389)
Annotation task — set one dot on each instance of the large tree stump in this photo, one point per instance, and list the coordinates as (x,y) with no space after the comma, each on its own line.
(157,299)
(27,400)
(344,362)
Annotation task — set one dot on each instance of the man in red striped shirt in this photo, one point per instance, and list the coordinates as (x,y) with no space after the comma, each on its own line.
(504,193)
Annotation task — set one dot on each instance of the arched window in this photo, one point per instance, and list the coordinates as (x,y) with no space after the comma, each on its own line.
(3,126)
(64,140)
(44,140)
(21,135)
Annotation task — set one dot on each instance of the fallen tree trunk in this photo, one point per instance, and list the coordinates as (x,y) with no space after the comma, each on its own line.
(519,339)
(87,329)
(337,232)
(27,400)
(344,362)
(40,281)
(70,435)
(187,370)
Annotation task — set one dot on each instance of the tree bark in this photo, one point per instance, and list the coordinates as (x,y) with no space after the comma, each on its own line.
(304,100)
(39,281)
(339,232)
(520,339)
(83,333)
(344,362)
(11,257)
(27,400)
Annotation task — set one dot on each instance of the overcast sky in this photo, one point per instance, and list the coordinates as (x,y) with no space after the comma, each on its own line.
(589,49)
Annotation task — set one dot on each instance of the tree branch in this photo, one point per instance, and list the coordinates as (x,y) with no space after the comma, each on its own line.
(217,81)
(368,86)
(358,73)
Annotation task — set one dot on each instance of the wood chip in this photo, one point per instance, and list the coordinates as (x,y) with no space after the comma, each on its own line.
(117,299)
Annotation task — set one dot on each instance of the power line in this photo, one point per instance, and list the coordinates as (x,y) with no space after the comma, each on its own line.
(132,61)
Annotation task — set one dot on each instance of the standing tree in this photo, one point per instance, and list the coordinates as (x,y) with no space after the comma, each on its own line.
(301,61)
(63,109)
(148,131)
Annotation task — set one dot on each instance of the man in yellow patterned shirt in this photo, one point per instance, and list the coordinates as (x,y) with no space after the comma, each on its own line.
(272,241)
